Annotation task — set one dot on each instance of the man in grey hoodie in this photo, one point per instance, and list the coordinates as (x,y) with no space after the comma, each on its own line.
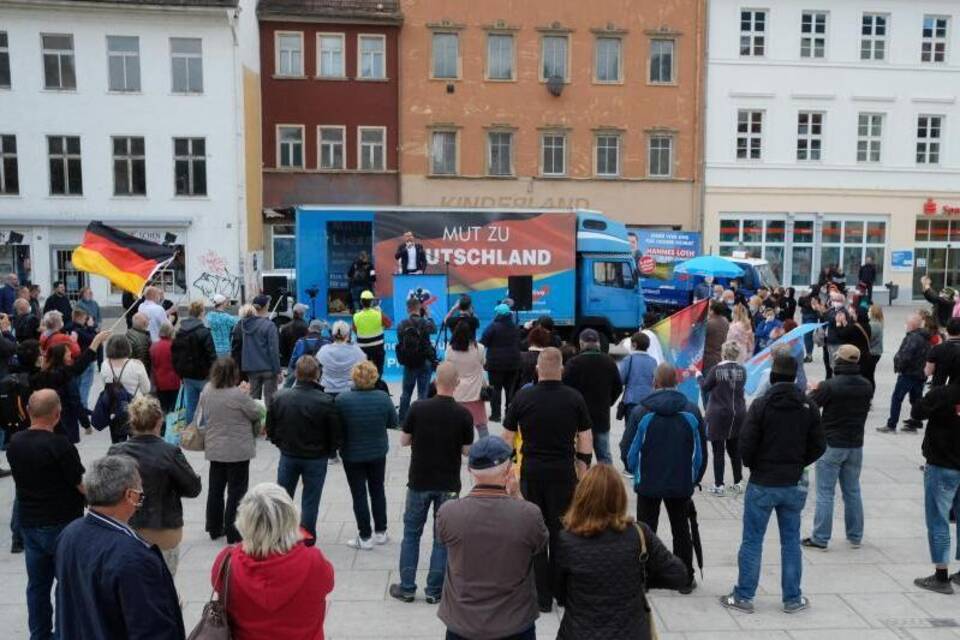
(261,351)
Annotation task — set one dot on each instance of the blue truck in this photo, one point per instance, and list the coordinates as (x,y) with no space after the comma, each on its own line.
(574,265)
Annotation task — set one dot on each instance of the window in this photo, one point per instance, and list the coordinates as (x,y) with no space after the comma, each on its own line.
(934,45)
(801,253)
(290,147)
(4,60)
(554,57)
(749,135)
(331,140)
(186,59)
(330,53)
(847,242)
(129,167)
(929,130)
(869,137)
(373,57)
(608,155)
(66,178)
(73,279)
(608,52)
(809,135)
(373,142)
(813,34)
(123,63)
(753,32)
(873,38)
(9,175)
(443,153)
(289,60)
(500,153)
(554,154)
(446,55)
(758,237)
(190,166)
(613,274)
(284,244)
(661,61)
(660,157)
(58,64)
(500,56)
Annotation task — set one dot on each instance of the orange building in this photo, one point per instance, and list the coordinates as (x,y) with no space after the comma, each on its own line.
(523,103)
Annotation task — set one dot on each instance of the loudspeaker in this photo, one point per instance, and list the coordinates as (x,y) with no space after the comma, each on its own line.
(276,286)
(521,292)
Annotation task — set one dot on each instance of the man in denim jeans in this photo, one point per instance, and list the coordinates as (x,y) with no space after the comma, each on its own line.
(439,432)
(415,353)
(845,399)
(48,475)
(941,480)
(909,363)
(780,437)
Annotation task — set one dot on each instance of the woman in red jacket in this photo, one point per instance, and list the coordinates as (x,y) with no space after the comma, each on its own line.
(166,382)
(278,586)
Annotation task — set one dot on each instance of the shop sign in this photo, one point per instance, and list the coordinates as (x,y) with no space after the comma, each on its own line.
(901,260)
(932,208)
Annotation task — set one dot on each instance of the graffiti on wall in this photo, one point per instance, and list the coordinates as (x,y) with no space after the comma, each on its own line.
(215,277)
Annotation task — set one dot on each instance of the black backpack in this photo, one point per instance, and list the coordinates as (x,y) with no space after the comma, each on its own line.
(111,408)
(14,394)
(413,345)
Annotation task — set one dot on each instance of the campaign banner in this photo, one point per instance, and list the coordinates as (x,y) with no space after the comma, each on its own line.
(658,250)
(758,366)
(681,338)
(479,250)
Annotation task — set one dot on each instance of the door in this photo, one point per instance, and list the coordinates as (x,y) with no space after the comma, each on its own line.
(609,290)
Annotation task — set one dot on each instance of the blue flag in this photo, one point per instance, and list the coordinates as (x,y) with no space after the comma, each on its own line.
(758,366)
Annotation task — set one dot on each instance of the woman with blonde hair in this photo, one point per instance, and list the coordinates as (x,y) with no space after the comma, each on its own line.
(725,414)
(167,478)
(366,413)
(741,332)
(601,580)
(278,586)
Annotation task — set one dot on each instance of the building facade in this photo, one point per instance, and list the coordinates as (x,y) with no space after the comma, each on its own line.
(329,81)
(832,136)
(554,104)
(125,112)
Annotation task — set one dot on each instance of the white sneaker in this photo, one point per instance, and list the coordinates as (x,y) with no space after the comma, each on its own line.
(381,538)
(360,543)
(738,487)
(717,490)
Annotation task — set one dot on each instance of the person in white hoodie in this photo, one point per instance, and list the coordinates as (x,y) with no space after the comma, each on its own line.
(338,360)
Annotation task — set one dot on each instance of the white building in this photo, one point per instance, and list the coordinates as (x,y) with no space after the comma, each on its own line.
(130,113)
(833,133)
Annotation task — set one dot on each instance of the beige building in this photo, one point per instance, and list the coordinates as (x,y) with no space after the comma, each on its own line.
(508,103)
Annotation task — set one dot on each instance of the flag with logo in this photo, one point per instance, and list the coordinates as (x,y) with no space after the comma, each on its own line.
(681,337)
(758,366)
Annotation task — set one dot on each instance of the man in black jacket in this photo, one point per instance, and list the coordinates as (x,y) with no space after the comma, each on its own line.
(410,255)
(941,301)
(26,326)
(415,353)
(943,360)
(305,425)
(867,276)
(908,363)
(941,479)
(58,301)
(193,353)
(596,376)
(781,436)
(292,331)
(502,340)
(845,399)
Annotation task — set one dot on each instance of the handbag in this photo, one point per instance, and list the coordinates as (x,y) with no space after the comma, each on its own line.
(191,436)
(621,406)
(175,421)
(214,624)
(644,556)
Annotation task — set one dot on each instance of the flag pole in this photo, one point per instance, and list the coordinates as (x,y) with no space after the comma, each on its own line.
(153,274)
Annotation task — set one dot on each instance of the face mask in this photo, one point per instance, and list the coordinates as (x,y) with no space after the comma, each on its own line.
(837,304)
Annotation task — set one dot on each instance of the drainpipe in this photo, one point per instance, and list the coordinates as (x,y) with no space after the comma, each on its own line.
(233,18)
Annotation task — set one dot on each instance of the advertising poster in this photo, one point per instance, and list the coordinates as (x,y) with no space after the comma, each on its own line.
(902,260)
(478,250)
(658,250)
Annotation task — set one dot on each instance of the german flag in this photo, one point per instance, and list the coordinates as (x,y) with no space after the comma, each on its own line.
(125,260)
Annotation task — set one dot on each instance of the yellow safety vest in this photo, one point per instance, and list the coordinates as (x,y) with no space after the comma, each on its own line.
(368,323)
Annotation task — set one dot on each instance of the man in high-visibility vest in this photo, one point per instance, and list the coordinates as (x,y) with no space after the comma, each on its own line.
(369,323)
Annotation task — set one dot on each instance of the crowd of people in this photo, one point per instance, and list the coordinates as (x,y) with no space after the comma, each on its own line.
(546,520)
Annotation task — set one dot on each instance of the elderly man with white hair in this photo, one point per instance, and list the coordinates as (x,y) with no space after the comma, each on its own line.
(111,583)
(153,309)
(53,334)
(8,293)
(138,336)
(491,536)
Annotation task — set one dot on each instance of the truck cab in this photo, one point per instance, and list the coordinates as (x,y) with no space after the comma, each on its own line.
(609,298)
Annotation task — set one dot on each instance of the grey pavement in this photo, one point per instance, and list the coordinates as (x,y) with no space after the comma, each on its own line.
(855,594)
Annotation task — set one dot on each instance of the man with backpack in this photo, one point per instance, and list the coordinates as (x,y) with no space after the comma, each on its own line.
(664,446)
(193,354)
(415,353)
(308,345)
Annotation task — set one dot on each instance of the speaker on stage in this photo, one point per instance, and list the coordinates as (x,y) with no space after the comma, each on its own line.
(521,292)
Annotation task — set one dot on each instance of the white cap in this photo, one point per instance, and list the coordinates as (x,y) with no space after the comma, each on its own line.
(218,299)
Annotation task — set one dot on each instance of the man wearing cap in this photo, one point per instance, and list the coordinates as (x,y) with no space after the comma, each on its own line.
(781,436)
(491,536)
(555,425)
(941,301)
(502,340)
(369,323)
(221,324)
(293,331)
(596,376)
(260,351)
(845,400)
(410,255)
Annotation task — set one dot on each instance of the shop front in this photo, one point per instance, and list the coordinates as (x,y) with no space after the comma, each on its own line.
(937,246)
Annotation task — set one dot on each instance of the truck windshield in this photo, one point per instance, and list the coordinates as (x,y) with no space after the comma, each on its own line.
(767,277)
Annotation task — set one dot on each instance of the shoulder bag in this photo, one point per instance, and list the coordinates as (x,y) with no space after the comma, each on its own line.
(191,436)
(643,579)
(213,623)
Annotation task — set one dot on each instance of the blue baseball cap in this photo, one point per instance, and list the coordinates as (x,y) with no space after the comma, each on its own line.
(489,452)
